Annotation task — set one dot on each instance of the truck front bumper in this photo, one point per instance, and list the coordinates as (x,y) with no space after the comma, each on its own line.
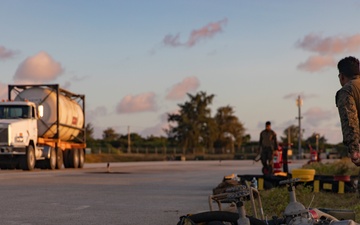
(9,150)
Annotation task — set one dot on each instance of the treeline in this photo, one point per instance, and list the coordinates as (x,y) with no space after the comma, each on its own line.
(193,129)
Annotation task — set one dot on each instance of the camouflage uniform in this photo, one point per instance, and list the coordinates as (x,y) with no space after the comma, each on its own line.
(267,144)
(348,103)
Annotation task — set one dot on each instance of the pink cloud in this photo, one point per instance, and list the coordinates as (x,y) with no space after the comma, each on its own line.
(158,129)
(38,68)
(66,85)
(317,63)
(179,90)
(197,35)
(6,53)
(172,40)
(93,114)
(138,103)
(3,91)
(315,116)
(330,45)
(75,78)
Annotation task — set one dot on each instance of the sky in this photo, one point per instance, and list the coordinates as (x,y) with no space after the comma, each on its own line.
(135,61)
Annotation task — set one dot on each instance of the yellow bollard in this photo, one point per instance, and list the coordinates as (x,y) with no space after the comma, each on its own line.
(316,185)
(341,187)
(261,184)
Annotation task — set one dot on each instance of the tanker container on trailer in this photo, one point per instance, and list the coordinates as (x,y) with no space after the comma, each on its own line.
(42,126)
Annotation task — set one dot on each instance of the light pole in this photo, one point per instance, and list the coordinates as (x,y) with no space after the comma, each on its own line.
(299,103)
(317,142)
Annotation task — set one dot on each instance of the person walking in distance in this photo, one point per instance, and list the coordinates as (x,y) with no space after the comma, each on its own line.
(267,144)
(348,103)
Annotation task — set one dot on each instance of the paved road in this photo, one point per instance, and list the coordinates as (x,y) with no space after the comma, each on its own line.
(131,193)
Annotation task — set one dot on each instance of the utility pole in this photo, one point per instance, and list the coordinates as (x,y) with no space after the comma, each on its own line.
(129,141)
(299,103)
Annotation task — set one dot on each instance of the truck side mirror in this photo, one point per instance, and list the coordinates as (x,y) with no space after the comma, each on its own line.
(40,111)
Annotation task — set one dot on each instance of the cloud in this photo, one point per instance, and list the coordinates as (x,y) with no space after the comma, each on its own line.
(179,90)
(138,103)
(208,31)
(76,78)
(330,45)
(99,111)
(39,68)
(317,63)
(315,116)
(3,91)
(158,129)
(66,85)
(94,116)
(6,53)
(172,41)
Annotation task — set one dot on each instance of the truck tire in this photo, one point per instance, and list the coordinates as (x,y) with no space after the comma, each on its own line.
(59,158)
(74,158)
(51,162)
(81,158)
(28,162)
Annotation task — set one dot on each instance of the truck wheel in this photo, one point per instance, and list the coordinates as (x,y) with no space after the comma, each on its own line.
(59,158)
(81,158)
(29,160)
(74,158)
(51,163)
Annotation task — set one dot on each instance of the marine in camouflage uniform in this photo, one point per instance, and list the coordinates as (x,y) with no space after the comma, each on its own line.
(267,144)
(348,103)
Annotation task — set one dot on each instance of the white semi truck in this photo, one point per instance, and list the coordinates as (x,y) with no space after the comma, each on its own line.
(42,126)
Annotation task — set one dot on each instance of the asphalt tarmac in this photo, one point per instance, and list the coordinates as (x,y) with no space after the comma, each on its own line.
(125,193)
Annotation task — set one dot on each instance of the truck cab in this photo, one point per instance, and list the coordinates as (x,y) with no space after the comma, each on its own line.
(18,130)
(18,125)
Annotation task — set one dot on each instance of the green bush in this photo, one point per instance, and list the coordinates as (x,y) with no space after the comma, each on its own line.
(275,200)
(339,167)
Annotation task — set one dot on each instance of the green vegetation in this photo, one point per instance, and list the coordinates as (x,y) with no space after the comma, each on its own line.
(196,129)
(193,127)
(339,167)
(274,201)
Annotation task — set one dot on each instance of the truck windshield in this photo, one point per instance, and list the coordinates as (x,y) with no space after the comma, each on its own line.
(14,112)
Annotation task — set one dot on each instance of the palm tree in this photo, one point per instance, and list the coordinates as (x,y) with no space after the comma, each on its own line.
(110,135)
(190,129)
(291,134)
(89,132)
(231,130)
